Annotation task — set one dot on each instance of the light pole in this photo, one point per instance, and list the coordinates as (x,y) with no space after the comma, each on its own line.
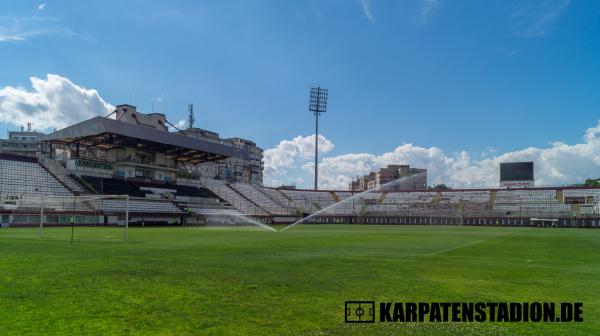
(317,105)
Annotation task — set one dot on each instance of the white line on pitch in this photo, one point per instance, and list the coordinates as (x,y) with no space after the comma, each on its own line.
(455,248)
(467,245)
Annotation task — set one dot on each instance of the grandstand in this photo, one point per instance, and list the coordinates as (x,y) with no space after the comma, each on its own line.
(135,155)
(563,206)
(22,176)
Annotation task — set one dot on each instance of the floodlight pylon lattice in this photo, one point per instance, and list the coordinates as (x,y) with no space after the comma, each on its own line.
(317,104)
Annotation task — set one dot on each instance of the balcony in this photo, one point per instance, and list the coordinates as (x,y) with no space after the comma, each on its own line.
(146,163)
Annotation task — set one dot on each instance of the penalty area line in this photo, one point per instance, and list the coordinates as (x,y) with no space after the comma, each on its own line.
(455,248)
(465,245)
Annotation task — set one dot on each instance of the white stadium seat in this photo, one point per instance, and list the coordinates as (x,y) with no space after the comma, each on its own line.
(19,178)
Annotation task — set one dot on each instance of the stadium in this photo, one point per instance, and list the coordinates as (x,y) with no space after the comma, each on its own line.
(127,178)
(310,168)
(160,177)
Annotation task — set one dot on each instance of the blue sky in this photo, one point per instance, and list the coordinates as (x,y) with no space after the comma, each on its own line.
(482,78)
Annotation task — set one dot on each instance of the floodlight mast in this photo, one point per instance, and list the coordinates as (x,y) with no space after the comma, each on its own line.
(317,105)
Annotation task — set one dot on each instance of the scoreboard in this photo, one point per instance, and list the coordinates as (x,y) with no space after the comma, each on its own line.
(516,174)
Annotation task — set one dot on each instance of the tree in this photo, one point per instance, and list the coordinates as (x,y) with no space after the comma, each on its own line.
(592,183)
(440,187)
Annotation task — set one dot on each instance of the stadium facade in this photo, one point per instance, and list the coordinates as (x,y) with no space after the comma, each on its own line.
(176,178)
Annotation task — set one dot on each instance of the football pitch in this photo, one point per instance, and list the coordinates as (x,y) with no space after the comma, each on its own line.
(247,281)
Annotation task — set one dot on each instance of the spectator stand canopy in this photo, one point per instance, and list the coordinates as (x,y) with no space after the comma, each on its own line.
(105,133)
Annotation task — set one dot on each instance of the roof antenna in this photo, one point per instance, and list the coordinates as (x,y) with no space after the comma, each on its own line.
(191,117)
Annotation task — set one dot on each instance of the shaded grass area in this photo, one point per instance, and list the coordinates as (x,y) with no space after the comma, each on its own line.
(243,281)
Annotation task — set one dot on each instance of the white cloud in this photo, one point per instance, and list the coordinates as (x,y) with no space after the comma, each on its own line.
(556,164)
(13,28)
(53,102)
(425,10)
(156,101)
(22,28)
(181,124)
(289,155)
(41,6)
(534,18)
(15,36)
(488,152)
(366,7)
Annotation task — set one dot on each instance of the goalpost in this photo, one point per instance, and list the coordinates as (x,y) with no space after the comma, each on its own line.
(86,213)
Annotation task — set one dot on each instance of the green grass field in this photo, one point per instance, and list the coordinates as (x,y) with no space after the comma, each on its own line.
(246,281)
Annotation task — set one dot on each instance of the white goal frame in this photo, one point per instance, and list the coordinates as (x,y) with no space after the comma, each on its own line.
(46,201)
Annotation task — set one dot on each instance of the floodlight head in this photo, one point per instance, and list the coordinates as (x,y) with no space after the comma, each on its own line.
(318,100)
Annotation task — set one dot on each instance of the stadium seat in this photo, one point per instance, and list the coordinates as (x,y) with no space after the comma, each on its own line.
(20,177)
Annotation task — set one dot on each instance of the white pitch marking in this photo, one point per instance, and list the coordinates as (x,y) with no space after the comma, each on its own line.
(467,245)
(455,248)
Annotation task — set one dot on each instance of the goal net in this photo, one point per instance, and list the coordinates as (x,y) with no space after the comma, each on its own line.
(89,217)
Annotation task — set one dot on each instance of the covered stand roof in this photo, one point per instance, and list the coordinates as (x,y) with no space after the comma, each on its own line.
(108,133)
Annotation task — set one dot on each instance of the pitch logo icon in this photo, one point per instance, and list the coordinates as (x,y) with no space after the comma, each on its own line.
(360,312)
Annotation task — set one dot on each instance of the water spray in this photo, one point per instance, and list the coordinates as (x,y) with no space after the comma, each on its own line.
(381,188)
(243,218)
